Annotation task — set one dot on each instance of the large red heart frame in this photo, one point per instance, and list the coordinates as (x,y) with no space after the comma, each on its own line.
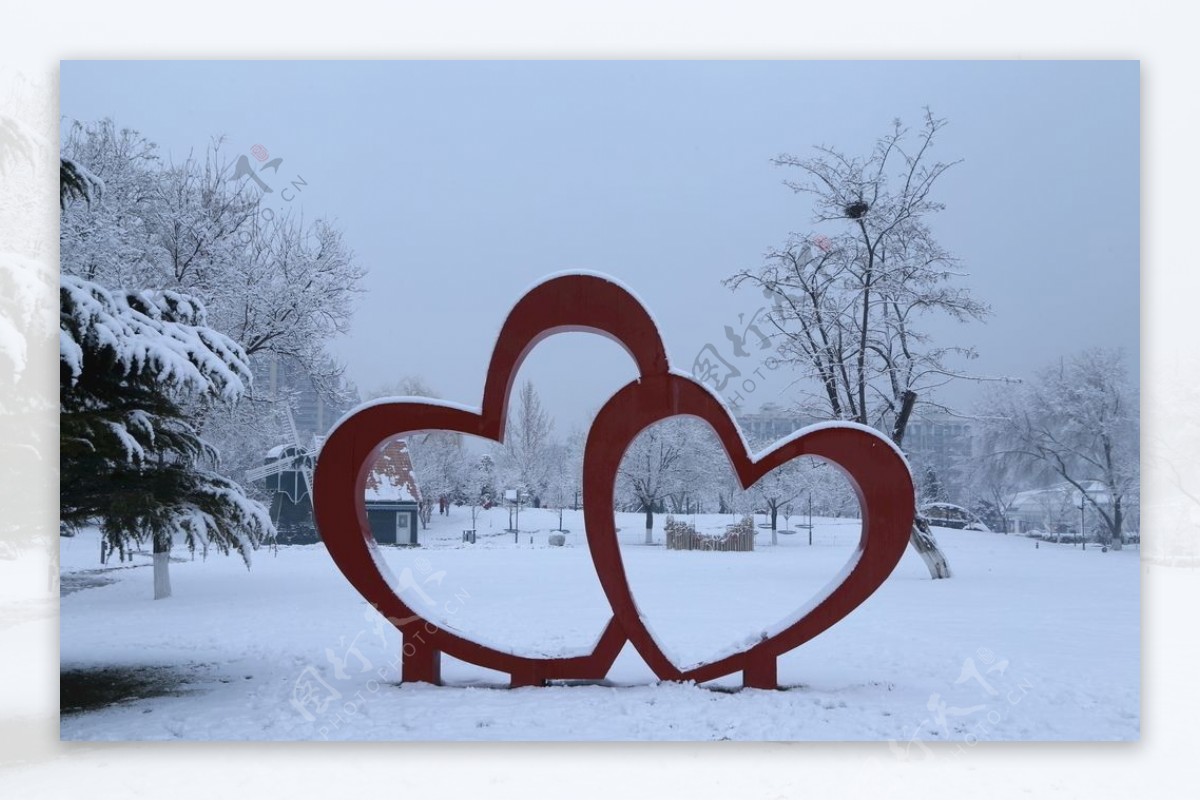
(592,303)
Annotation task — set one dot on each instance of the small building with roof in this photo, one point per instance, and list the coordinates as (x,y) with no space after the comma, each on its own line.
(1055,508)
(392,498)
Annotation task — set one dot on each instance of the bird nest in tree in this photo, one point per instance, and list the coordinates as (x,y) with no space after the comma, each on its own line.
(856,209)
(682,536)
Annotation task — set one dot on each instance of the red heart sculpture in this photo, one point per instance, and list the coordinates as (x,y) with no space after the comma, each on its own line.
(580,302)
(574,302)
(878,473)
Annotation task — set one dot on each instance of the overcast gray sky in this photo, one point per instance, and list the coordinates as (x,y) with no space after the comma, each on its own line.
(458,184)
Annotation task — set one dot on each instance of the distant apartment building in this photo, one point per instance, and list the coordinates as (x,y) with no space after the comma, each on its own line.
(771,422)
(942,443)
(313,411)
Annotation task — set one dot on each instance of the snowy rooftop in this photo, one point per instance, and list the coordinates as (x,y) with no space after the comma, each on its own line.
(392,477)
(1063,493)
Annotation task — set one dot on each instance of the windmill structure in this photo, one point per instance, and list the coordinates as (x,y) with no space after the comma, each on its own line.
(287,471)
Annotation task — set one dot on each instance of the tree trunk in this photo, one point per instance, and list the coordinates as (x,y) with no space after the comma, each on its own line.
(1118,540)
(923,541)
(906,406)
(774,517)
(649,524)
(162,563)
(921,537)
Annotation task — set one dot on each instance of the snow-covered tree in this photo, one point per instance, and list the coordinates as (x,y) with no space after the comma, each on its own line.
(828,489)
(566,484)
(277,288)
(649,470)
(441,465)
(930,488)
(703,472)
(848,305)
(28,293)
(290,292)
(129,456)
(403,387)
(992,483)
(669,458)
(77,181)
(774,491)
(527,453)
(23,289)
(479,488)
(278,285)
(1057,511)
(1077,421)
(483,488)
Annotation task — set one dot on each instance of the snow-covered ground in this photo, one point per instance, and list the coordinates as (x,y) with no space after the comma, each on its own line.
(1023,643)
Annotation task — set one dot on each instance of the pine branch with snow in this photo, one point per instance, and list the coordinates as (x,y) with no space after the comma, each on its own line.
(131,364)
(77,181)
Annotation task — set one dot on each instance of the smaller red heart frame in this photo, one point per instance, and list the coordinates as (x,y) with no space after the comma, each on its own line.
(592,303)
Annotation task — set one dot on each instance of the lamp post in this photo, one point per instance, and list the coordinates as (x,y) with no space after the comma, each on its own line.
(1082,518)
(513,497)
(517,523)
(810,516)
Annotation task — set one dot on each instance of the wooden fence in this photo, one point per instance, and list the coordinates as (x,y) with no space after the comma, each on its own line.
(682,536)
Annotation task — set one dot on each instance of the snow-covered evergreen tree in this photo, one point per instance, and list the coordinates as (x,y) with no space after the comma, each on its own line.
(527,453)
(28,282)
(130,365)
(76,180)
